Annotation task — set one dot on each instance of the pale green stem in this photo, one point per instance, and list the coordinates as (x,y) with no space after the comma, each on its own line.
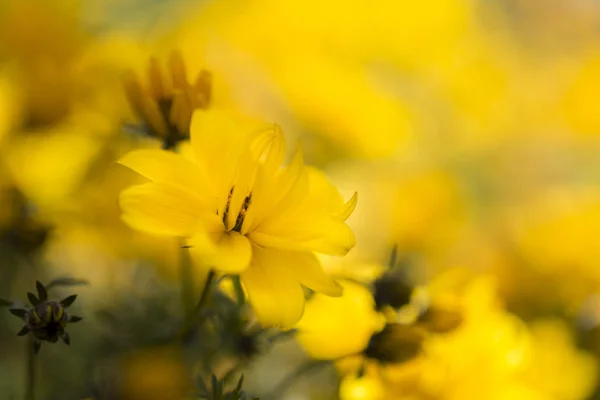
(239,290)
(30,371)
(192,319)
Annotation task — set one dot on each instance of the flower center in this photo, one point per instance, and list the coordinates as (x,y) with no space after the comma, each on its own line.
(239,221)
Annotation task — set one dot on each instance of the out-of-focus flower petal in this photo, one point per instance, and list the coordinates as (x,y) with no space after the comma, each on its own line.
(307,269)
(334,327)
(273,292)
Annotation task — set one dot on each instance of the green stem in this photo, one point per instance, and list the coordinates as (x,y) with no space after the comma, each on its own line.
(192,319)
(278,391)
(30,372)
(186,273)
(239,290)
(206,291)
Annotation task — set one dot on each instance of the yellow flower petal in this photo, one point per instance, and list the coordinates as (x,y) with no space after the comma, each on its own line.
(274,194)
(273,292)
(162,209)
(164,166)
(216,140)
(334,327)
(307,270)
(231,253)
(348,208)
(362,388)
(322,193)
(299,232)
(276,153)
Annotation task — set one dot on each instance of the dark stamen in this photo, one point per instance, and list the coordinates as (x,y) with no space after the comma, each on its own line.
(226,212)
(242,214)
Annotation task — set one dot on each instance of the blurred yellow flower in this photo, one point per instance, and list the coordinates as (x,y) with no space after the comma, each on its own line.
(167,104)
(555,239)
(43,39)
(334,80)
(556,368)
(492,354)
(242,213)
(334,327)
(579,103)
(485,353)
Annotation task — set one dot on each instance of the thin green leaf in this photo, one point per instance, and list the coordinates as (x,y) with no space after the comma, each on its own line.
(215,388)
(19,312)
(24,331)
(67,301)
(32,299)
(66,338)
(238,387)
(66,281)
(42,292)
(74,318)
(240,295)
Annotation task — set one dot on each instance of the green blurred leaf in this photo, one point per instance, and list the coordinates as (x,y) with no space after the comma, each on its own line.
(67,301)
(19,312)
(42,292)
(33,299)
(24,331)
(66,281)
(238,387)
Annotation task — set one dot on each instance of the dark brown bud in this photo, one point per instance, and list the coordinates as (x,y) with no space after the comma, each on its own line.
(396,343)
(438,320)
(392,289)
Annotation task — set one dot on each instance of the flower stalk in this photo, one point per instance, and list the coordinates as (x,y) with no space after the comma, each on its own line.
(30,372)
(193,318)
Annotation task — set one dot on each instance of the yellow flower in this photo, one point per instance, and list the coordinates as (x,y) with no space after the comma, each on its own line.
(166,105)
(336,327)
(555,236)
(554,349)
(243,213)
(367,387)
(488,353)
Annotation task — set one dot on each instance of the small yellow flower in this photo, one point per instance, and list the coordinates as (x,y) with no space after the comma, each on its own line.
(332,328)
(243,213)
(166,105)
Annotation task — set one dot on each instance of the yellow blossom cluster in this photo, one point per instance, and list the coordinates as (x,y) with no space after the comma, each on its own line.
(481,351)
